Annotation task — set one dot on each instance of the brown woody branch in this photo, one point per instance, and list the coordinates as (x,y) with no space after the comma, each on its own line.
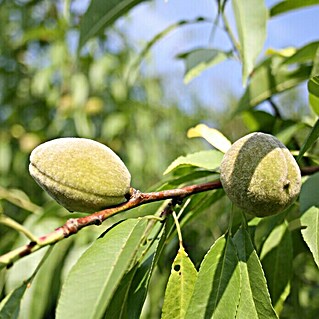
(73,225)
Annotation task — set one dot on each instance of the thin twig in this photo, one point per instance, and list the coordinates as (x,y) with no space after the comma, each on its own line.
(73,225)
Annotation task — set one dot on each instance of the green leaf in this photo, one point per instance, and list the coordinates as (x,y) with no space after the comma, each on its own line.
(254,296)
(197,61)
(10,305)
(310,220)
(313,89)
(304,54)
(276,258)
(211,135)
(251,28)
(209,160)
(289,5)
(311,139)
(101,14)
(258,121)
(97,274)
(270,78)
(180,287)
(309,193)
(216,293)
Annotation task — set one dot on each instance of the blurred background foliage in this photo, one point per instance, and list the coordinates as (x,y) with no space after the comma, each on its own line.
(48,90)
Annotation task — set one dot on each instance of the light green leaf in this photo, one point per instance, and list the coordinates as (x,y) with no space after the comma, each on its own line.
(10,305)
(197,61)
(310,220)
(269,78)
(211,135)
(180,287)
(97,274)
(304,54)
(258,121)
(311,139)
(101,14)
(289,5)
(276,258)
(251,28)
(217,288)
(209,160)
(313,89)
(309,193)
(254,296)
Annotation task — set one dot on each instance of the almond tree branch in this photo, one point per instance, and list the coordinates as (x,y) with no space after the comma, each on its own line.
(73,225)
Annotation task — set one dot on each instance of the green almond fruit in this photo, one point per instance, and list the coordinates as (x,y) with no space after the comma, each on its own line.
(80,174)
(259,175)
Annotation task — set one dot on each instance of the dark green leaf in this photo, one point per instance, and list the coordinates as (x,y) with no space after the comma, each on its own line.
(289,5)
(254,296)
(310,140)
(276,258)
(309,193)
(97,274)
(101,14)
(216,293)
(310,220)
(197,61)
(10,305)
(180,287)
(251,28)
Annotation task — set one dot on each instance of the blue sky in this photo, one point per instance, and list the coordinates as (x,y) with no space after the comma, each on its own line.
(146,20)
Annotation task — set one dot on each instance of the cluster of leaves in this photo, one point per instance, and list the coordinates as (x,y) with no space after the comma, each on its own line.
(223,263)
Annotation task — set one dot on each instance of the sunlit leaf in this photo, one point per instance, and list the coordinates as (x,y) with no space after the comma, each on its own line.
(310,140)
(289,5)
(309,193)
(197,61)
(303,54)
(251,28)
(313,89)
(254,296)
(216,293)
(211,135)
(310,232)
(97,274)
(101,14)
(270,78)
(276,258)
(180,287)
(209,160)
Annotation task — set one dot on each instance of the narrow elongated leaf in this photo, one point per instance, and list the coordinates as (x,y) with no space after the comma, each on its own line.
(305,54)
(254,296)
(313,89)
(309,193)
(97,274)
(310,220)
(311,138)
(180,286)
(197,61)
(251,28)
(101,14)
(209,160)
(269,79)
(10,305)
(289,5)
(211,135)
(276,258)
(217,288)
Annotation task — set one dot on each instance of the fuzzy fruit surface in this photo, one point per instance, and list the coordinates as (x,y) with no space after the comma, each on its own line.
(80,174)
(259,175)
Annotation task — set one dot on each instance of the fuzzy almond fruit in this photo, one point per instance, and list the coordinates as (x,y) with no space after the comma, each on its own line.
(259,175)
(80,174)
